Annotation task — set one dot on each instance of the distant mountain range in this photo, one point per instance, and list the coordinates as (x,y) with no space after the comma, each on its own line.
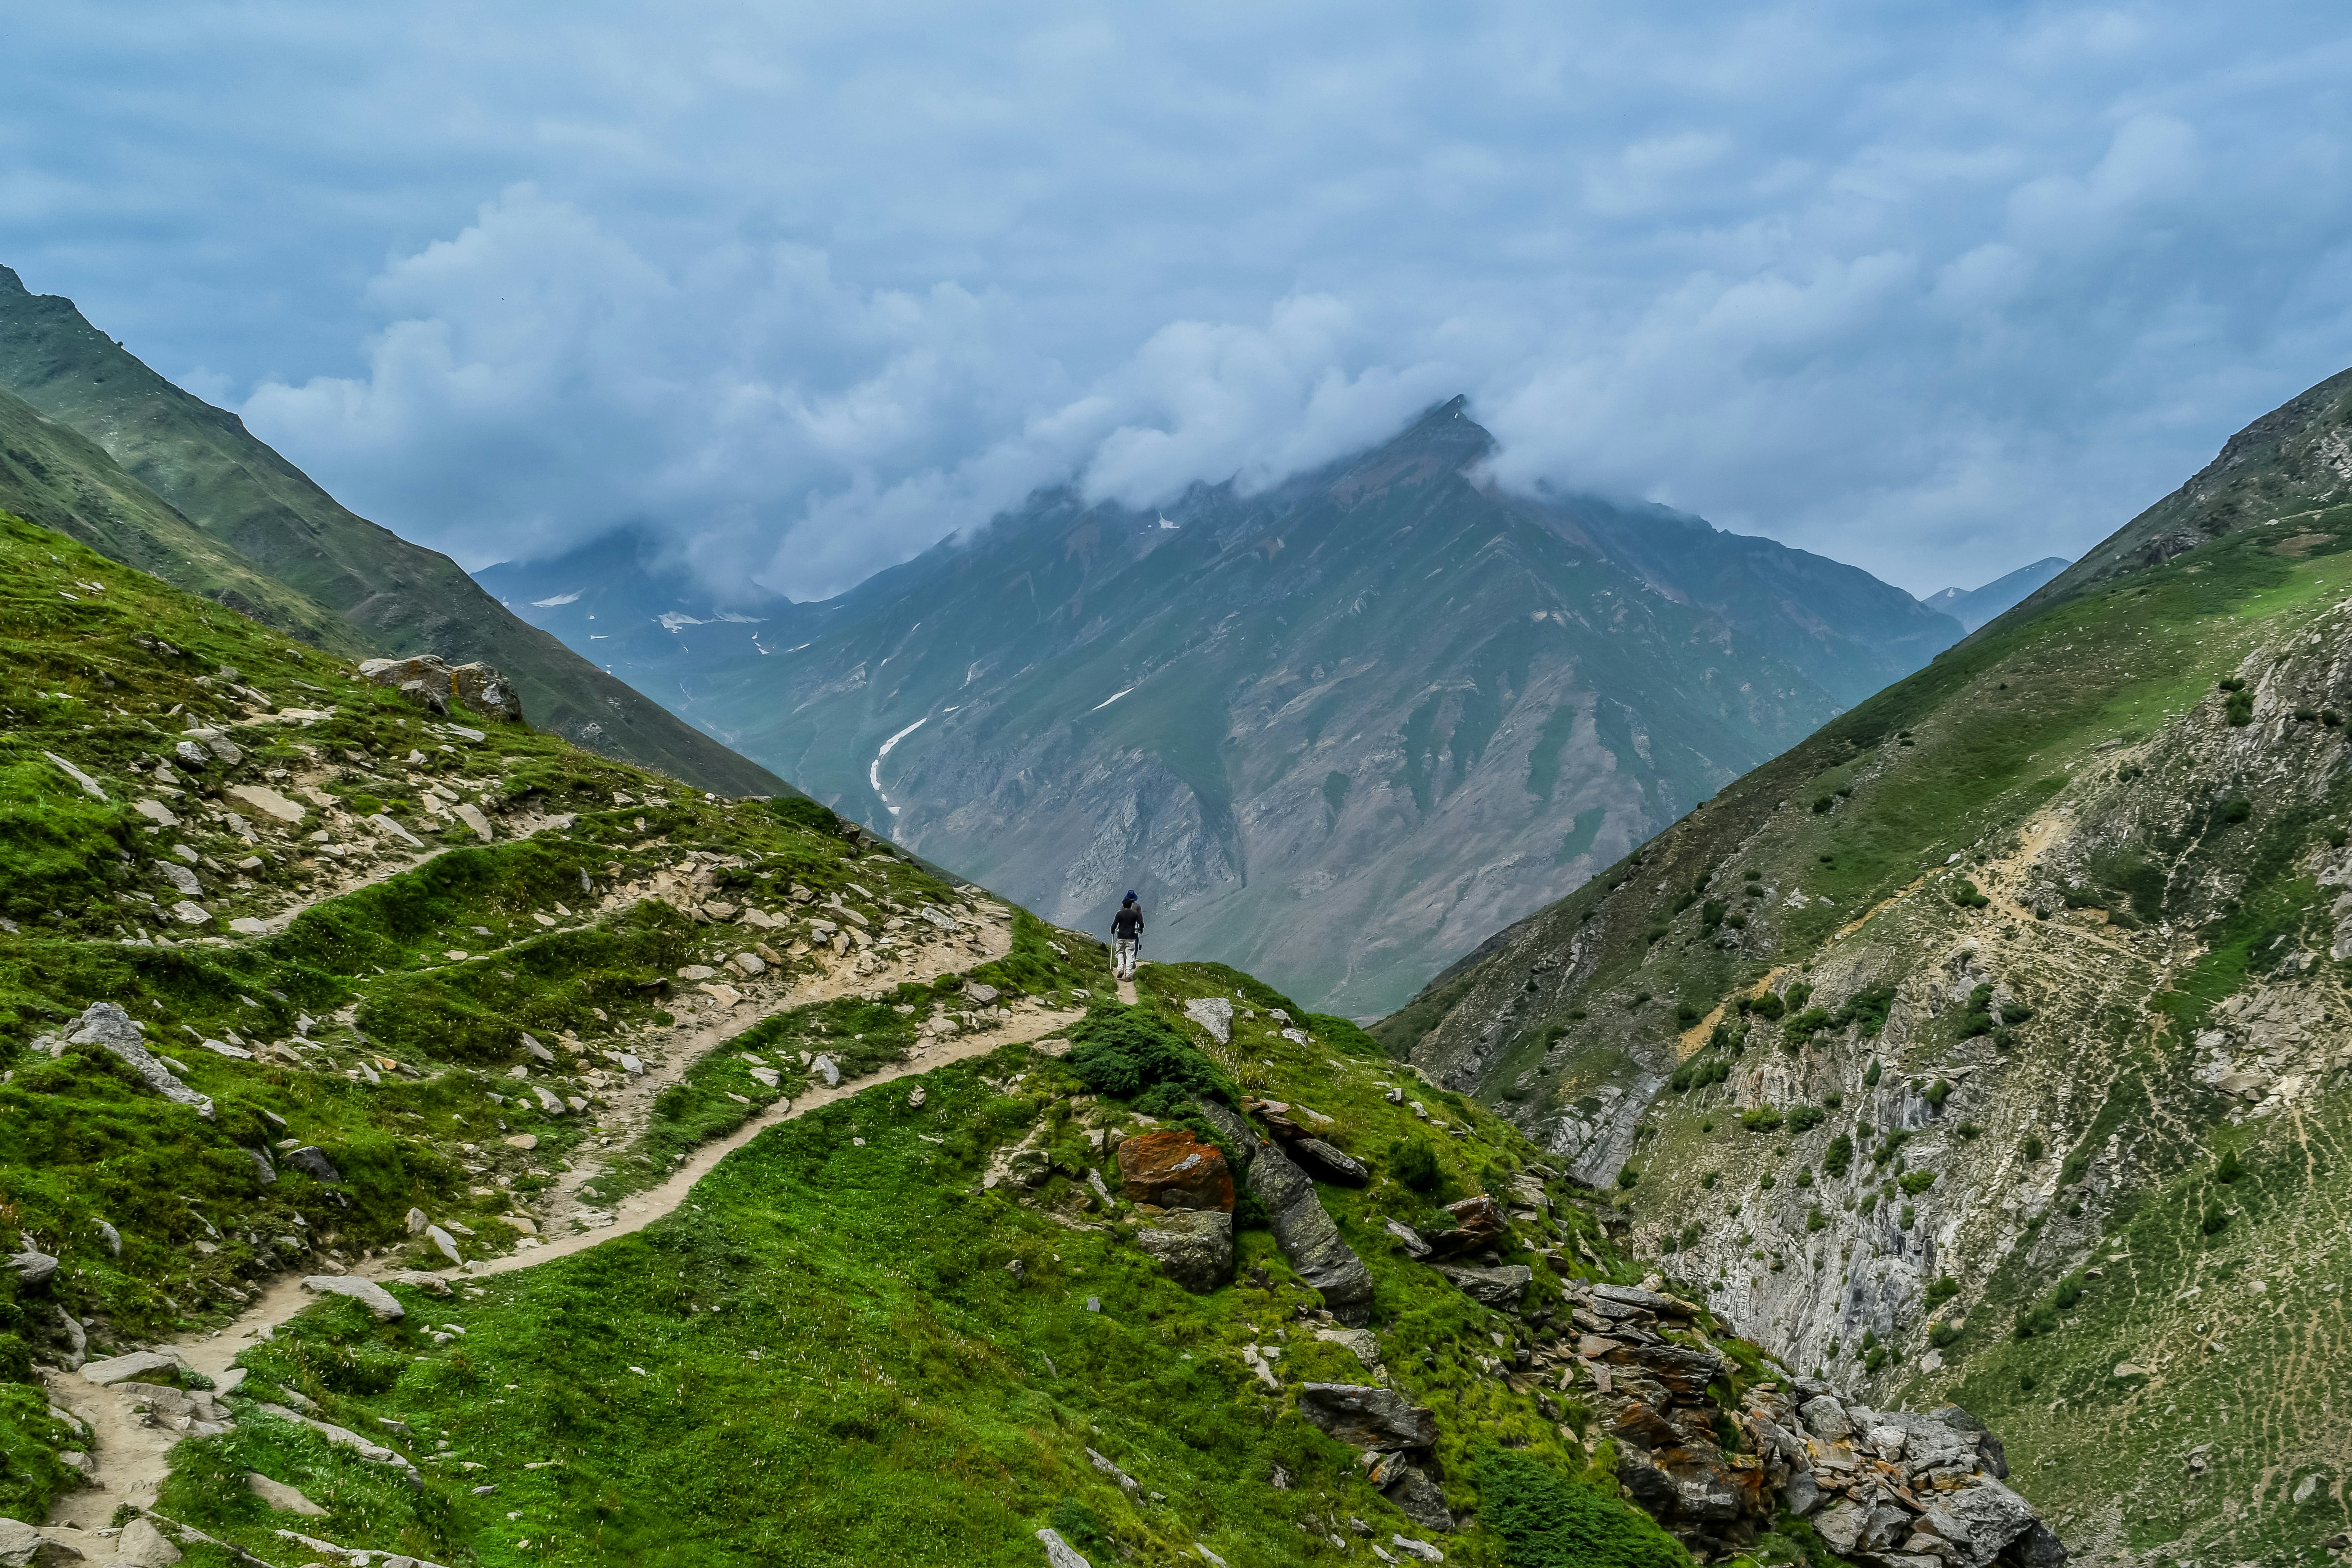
(1972,607)
(96,445)
(1335,732)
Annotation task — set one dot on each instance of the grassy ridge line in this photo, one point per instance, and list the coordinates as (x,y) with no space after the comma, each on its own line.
(403,1051)
(824,1357)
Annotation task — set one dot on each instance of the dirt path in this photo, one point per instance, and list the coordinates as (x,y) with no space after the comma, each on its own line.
(132,1457)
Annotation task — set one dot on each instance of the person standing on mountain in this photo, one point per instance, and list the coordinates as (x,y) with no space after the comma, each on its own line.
(1127,936)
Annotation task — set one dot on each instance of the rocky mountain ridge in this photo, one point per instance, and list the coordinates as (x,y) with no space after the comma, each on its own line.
(1990,1044)
(1331,732)
(95,444)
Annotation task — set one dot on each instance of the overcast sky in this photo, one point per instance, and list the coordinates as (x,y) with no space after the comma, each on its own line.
(1933,290)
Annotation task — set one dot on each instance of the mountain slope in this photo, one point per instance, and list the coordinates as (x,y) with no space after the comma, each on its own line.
(1334,733)
(306,997)
(397,597)
(1972,607)
(1992,1043)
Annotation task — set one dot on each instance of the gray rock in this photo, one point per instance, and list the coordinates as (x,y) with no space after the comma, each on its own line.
(32,1268)
(1241,1139)
(192,755)
(1992,1516)
(824,1069)
(108,1027)
(1213,1014)
(111,1236)
(312,1162)
(281,1497)
(1368,1417)
(1194,1247)
(1412,1239)
(138,1366)
(1124,1481)
(1801,1495)
(1647,1300)
(986,995)
(366,1293)
(22,1546)
(183,879)
(343,1437)
(1325,1164)
(262,1168)
(1502,1287)
(1825,1418)
(443,1242)
(141,1545)
(1420,1500)
(1060,1553)
(1307,1236)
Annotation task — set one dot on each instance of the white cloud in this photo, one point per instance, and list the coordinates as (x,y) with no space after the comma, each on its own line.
(1933,290)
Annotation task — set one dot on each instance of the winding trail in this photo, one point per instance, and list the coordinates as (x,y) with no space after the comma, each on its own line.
(131,1458)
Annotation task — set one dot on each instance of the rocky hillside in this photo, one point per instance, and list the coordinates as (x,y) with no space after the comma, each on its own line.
(96,445)
(430,1140)
(1335,732)
(1990,1044)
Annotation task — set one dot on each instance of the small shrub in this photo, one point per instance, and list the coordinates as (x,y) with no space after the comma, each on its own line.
(1711,913)
(1804,1175)
(1833,1099)
(1627,1177)
(2216,1218)
(1942,1335)
(1876,1357)
(1870,1076)
(2231,683)
(1838,1158)
(1815,1220)
(1942,1289)
(2033,1148)
(2069,1291)
(1763,1119)
(1804,1119)
(1823,802)
(1710,1180)
(1685,1015)
(1968,1129)
(2228,1169)
(1908,1215)
(2240,710)
(1413,1161)
(2237,810)
(1767,1005)
(1917,1181)
(1937,1092)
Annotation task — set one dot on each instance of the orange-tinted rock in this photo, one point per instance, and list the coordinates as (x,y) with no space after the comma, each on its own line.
(1175,1170)
(1478,1224)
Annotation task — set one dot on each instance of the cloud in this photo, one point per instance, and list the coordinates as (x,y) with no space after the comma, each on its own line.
(1937,291)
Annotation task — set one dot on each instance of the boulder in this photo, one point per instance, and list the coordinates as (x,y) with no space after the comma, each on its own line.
(1175,1170)
(1194,1247)
(1643,1300)
(1368,1417)
(1419,1499)
(141,1545)
(280,1496)
(312,1162)
(1307,1236)
(139,1366)
(434,684)
(1478,1224)
(1060,1553)
(108,1027)
(22,1546)
(1325,1164)
(366,1293)
(1409,1238)
(1240,1139)
(32,1268)
(1502,1288)
(1213,1014)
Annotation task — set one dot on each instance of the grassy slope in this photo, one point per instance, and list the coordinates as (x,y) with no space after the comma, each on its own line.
(53,475)
(822,1358)
(394,596)
(2021,726)
(85,1143)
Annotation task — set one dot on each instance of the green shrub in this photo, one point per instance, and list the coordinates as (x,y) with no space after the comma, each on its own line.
(1942,1289)
(1685,1015)
(1627,1177)
(1942,1335)
(1767,1005)
(2033,1148)
(1937,1092)
(1711,913)
(2231,683)
(1076,1523)
(800,810)
(1413,1161)
(1838,1158)
(2216,1218)
(1967,896)
(1763,1119)
(1870,1075)
(1131,1053)
(1968,1129)
(1805,1117)
(1909,1215)
(1548,1521)
(1815,1220)
(2237,810)
(2228,1169)
(1917,1181)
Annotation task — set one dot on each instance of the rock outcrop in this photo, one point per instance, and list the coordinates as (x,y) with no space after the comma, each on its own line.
(1194,1247)
(434,684)
(105,1025)
(1887,1490)
(1174,1170)
(1308,1237)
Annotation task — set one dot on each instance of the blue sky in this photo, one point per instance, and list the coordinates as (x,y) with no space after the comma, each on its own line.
(1935,290)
